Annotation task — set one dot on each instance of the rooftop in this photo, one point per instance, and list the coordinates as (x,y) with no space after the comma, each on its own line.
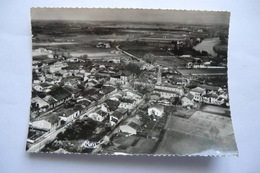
(157,106)
(198,89)
(59,93)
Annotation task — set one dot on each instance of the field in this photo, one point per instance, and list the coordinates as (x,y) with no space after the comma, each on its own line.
(203,71)
(201,132)
(171,61)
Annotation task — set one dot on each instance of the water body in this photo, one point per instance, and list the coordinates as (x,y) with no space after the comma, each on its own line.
(207,45)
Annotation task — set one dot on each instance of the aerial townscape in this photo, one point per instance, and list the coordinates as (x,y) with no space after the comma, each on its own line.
(127,88)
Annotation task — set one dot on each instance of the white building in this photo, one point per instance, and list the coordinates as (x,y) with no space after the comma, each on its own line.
(156,110)
(198,92)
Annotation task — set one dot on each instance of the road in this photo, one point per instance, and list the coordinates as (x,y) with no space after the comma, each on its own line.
(36,147)
(131,55)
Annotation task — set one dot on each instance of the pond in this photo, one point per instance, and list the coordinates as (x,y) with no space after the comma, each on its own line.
(207,45)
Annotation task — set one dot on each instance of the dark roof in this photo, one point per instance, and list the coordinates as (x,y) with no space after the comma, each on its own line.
(211,95)
(44,84)
(210,88)
(125,100)
(117,114)
(72,90)
(190,96)
(77,107)
(112,104)
(49,99)
(126,73)
(59,93)
(84,102)
(89,92)
(53,119)
(198,89)
(68,112)
(102,113)
(166,91)
(133,125)
(107,89)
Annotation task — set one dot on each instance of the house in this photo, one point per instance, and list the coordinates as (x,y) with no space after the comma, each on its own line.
(112,104)
(41,125)
(39,104)
(42,87)
(50,100)
(168,91)
(198,92)
(124,79)
(117,116)
(164,101)
(187,101)
(155,97)
(58,66)
(127,103)
(68,115)
(107,91)
(103,107)
(130,128)
(54,120)
(60,95)
(98,116)
(49,124)
(116,97)
(156,111)
(130,94)
(212,98)
(91,83)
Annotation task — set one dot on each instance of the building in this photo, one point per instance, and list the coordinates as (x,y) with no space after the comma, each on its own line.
(127,103)
(168,91)
(159,76)
(47,125)
(130,128)
(212,98)
(198,92)
(60,95)
(68,115)
(156,110)
(187,101)
(98,116)
(124,79)
(38,103)
(117,116)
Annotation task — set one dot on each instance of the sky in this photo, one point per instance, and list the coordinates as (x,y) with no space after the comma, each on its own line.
(131,15)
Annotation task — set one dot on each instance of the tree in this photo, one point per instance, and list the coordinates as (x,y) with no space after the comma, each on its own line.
(133,68)
(150,58)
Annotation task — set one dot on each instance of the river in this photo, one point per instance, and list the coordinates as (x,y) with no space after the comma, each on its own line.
(207,45)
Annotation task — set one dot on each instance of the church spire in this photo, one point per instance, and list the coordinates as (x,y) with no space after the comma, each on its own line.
(159,76)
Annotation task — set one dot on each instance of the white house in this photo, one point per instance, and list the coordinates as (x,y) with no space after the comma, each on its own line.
(127,103)
(42,125)
(117,116)
(131,127)
(156,110)
(69,115)
(98,116)
(187,100)
(38,102)
(198,92)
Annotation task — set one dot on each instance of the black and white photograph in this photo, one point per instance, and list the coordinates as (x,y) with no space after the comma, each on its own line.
(130,82)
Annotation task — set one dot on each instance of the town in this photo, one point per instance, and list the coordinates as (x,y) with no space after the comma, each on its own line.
(129,88)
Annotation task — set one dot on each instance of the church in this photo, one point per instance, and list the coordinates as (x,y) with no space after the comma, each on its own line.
(166,91)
